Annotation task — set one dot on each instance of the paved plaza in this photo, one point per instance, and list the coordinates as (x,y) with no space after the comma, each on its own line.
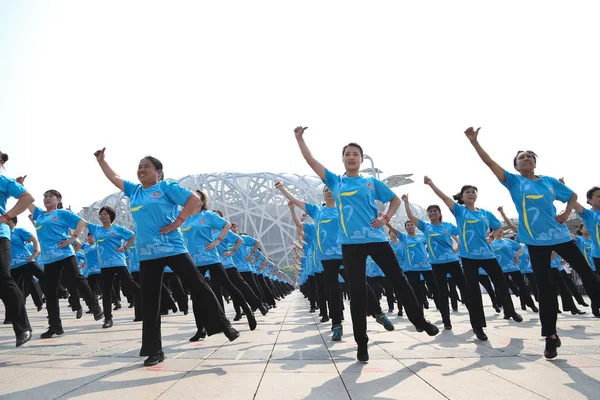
(290,356)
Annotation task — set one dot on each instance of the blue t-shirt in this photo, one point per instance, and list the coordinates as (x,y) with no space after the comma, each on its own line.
(439,241)
(243,252)
(373,270)
(53,228)
(473,229)
(525,261)
(327,222)
(198,232)
(18,247)
(585,246)
(108,241)
(80,257)
(152,209)
(400,252)
(534,200)
(355,199)
(310,247)
(416,254)
(505,250)
(91,256)
(591,220)
(8,188)
(133,263)
(556,263)
(226,245)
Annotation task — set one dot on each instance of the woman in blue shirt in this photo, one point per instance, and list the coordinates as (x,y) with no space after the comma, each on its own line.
(476,252)
(361,234)
(154,204)
(440,237)
(11,295)
(53,227)
(113,241)
(198,235)
(542,230)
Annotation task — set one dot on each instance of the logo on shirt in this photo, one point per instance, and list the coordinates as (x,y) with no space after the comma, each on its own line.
(369,185)
(156,194)
(55,219)
(113,234)
(202,221)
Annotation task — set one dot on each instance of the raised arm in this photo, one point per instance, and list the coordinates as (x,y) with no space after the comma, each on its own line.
(295,217)
(485,157)
(298,203)
(314,164)
(391,228)
(507,221)
(409,212)
(24,202)
(108,171)
(447,200)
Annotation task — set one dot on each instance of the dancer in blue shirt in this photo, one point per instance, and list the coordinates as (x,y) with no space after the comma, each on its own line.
(154,204)
(361,234)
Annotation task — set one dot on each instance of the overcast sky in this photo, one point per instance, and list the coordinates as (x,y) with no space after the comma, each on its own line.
(219,87)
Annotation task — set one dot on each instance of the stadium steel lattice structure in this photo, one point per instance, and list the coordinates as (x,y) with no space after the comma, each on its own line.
(250,200)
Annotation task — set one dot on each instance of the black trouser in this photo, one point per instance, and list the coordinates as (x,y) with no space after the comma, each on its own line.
(355,261)
(540,261)
(334,296)
(487,284)
(475,303)
(440,271)
(174,284)
(414,277)
(107,277)
(23,277)
(390,294)
(52,276)
(524,295)
(267,292)
(151,275)
(166,301)
(12,297)
(94,283)
(565,294)
(321,293)
(243,287)
(452,293)
(219,279)
(572,287)
(532,286)
(249,278)
(311,291)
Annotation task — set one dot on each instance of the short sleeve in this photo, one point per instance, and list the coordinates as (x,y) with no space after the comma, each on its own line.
(331,179)
(68,217)
(216,222)
(24,234)
(248,240)
(231,238)
(11,187)
(37,213)
(311,209)
(309,229)
(382,192)
(423,226)
(453,230)
(126,233)
(92,228)
(128,188)
(494,222)
(515,246)
(511,180)
(177,193)
(402,236)
(562,192)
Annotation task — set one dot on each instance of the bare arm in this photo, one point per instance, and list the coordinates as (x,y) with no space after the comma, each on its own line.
(108,171)
(409,212)
(127,245)
(187,210)
(298,203)
(485,157)
(447,200)
(392,229)
(508,222)
(295,217)
(219,239)
(80,225)
(311,161)
(254,250)
(36,248)
(238,243)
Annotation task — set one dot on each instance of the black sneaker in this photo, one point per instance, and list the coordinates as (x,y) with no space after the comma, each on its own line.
(98,314)
(237,317)
(154,360)
(516,317)
(362,353)
(497,309)
(51,332)
(400,313)
(23,338)
(231,333)
(551,346)
(480,334)
(312,310)
(338,331)
(383,320)
(448,326)
(391,310)
(201,334)
(117,306)
(79,314)
(325,318)
(108,323)
(534,309)
(584,304)
(577,311)
(251,321)
(430,328)
(263,310)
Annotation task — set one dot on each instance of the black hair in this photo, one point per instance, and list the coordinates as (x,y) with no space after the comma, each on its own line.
(56,194)
(406,222)
(158,165)
(458,197)
(352,144)
(579,231)
(590,193)
(14,220)
(218,212)
(524,151)
(110,211)
(435,207)
(90,234)
(3,158)
(204,198)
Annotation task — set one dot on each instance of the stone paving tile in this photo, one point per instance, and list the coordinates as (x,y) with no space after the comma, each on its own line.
(291,356)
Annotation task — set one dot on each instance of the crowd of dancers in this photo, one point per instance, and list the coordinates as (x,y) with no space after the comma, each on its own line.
(181,248)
